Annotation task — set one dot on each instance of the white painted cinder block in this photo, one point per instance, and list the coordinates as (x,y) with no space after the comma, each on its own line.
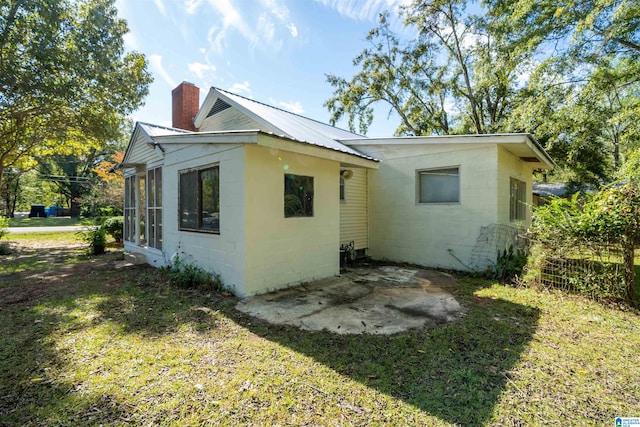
(284,251)
(401,229)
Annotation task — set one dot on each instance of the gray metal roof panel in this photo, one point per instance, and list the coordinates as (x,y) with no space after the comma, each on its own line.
(157,130)
(298,127)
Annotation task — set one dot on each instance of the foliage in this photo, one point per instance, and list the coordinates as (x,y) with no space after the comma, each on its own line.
(96,238)
(510,264)
(567,72)
(4,226)
(611,217)
(477,74)
(66,80)
(113,226)
(187,275)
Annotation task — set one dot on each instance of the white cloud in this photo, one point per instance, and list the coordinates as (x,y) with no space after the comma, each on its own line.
(199,69)
(265,24)
(156,63)
(277,8)
(191,6)
(294,107)
(241,89)
(160,6)
(292,29)
(363,10)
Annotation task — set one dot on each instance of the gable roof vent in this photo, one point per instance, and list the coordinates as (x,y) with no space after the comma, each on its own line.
(219,106)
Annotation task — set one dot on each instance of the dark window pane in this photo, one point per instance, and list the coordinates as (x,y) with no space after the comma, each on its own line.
(298,195)
(210,191)
(189,200)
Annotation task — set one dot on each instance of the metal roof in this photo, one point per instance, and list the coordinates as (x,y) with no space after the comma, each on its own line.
(157,130)
(295,126)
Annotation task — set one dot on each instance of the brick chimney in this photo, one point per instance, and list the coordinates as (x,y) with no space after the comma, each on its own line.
(185,104)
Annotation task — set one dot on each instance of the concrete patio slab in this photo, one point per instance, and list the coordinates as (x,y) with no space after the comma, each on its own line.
(374,300)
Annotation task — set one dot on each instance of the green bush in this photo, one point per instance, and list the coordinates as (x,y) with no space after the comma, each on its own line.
(4,226)
(96,238)
(189,276)
(510,264)
(113,227)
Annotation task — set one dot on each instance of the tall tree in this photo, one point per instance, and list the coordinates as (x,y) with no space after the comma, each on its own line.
(456,76)
(583,97)
(66,81)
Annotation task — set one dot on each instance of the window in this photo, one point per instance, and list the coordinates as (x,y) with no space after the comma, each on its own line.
(298,195)
(518,201)
(154,208)
(439,185)
(130,209)
(341,187)
(143,208)
(199,200)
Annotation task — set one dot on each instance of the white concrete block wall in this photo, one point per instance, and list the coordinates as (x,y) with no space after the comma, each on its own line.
(284,251)
(223,253)
(401,229)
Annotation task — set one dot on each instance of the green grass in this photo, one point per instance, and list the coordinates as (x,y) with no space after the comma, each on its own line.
(44,251)
(47,222)
(94,345)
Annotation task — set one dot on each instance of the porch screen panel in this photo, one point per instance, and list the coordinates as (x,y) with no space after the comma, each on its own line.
(129,209)
(154,207)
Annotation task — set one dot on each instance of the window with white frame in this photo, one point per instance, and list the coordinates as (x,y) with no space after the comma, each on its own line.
(154,208)
(130,209)
(518,200)
(438,185)
(199,199)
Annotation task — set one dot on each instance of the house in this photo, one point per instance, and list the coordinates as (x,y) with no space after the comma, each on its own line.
(266,198)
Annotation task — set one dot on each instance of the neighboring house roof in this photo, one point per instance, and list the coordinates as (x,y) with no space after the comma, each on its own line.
(559,189)
(550,189)
(281,122)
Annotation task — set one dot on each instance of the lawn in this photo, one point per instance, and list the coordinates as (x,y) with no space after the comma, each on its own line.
(47,222)
(90,344)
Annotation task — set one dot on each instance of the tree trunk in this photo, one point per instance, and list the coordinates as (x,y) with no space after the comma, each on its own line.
(630,273)
(75,208)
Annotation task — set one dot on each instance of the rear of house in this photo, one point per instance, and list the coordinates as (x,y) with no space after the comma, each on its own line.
(267,198)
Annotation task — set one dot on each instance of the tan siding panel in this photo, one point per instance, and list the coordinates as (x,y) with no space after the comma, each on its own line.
(141,152)
(354,224)
(229,119)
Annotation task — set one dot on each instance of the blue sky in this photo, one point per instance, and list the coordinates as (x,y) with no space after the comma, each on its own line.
(274,51)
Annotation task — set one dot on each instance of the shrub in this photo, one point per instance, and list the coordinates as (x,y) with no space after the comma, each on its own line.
(113,227)
(510,264)
(601,231)
(96,238)
(4,226)
(189,276)
(5,249)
